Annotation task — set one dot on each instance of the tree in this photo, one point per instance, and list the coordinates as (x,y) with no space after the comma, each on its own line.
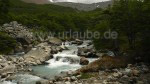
(4,8)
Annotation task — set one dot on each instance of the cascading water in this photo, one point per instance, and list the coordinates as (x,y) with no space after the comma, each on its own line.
(62,61)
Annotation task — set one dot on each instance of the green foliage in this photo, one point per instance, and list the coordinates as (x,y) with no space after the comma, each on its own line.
(7,44)
(4,7)
(131,19)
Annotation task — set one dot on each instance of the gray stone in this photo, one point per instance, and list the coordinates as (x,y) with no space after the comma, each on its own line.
(78,76)
(55,41)
(38,56)
(73,78)
(84,61)
(115,74)
(67,82)
(42,82)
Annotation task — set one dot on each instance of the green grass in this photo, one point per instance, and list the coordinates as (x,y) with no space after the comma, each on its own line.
(88,75)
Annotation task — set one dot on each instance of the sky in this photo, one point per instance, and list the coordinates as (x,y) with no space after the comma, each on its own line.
(80,1)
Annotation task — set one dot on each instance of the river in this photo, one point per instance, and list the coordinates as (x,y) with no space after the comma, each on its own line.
(63,61)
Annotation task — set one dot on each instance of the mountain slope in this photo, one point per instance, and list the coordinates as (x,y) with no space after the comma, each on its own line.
(79,6)
(38,1)
(19,6)
(85,7)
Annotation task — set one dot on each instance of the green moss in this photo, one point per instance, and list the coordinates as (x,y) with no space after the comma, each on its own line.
(87,75)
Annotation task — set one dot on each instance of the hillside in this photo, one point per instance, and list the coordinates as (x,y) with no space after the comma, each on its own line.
(79,6)
(37,1)
(18,6)
(85,7)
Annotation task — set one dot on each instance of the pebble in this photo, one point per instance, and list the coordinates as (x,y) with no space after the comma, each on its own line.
(73,78)
(78,76)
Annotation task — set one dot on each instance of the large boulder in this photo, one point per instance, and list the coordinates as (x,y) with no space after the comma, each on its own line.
(87,52)
(84,61)
(38,55)
(42,82)
(55,41)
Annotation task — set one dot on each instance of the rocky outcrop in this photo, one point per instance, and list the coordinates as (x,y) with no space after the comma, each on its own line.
(132,74)
(38,55)
(55,41)
(22,35)
(84,61)
(107,62)
(87,52)
(77,41)
(6,67)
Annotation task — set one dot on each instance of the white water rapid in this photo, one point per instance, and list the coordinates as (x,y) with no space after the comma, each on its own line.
(63,61)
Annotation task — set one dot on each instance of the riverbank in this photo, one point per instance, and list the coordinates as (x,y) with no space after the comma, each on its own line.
(133,74)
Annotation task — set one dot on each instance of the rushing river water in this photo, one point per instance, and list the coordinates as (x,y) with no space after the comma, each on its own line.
(63,61)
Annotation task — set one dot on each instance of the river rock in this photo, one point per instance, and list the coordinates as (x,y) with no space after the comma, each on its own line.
(67,79)
(55,41)
(78,76)
(127,72)
(117,74)
(77,41)
(104,63)
(84,61)
(87,52)
(39,55)
(72,60)
(8,69)
(67,82)
(42,82)
(73,78)
(58,78)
